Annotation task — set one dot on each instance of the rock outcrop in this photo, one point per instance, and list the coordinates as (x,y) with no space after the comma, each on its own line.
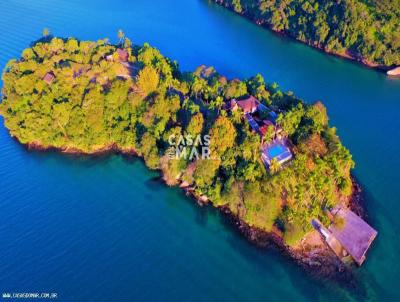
(394,72)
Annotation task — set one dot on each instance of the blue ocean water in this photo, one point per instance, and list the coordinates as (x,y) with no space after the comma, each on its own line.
(102,229)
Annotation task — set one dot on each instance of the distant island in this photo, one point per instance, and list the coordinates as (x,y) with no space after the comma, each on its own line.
(365,31)
(262,156)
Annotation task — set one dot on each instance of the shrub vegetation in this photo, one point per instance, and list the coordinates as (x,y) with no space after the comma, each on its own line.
(367,30)
(94,101)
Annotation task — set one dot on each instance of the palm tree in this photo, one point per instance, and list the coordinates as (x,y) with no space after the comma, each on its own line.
(197,86)
(127,43)
(217,103)
(121,36)
(274,166)
(45,32)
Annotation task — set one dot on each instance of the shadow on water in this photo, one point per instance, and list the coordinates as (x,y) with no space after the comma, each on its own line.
(85,160)
(384,248)
(271,254)
(262,258)
(44,39)
(155,183)
(266,258)
(202,214)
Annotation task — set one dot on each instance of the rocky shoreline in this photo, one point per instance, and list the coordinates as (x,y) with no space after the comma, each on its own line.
(318,261)
(101,150)
(390,71)
(321,262)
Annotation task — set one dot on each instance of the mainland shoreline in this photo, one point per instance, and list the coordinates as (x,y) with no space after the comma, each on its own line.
(391,71)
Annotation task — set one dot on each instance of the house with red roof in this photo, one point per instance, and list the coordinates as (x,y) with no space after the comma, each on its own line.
(266,124)
(49,77)
(249,105)
(123,55)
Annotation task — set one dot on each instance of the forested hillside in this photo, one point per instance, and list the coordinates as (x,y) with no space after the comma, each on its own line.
(365,30)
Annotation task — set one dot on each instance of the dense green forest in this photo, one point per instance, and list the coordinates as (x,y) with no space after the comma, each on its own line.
(83,96)
(366,30)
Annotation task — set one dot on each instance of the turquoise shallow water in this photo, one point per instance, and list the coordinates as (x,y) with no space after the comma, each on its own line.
(101,229)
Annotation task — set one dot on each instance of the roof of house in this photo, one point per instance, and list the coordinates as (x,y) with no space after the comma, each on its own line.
(252,122)
(268,123)
(231,105)
(49,77)
(122,54)
(264,128)
(273,115)
(355,234)
(248,105)
(332,242)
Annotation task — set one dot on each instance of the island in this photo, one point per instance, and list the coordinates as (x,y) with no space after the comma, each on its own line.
(269,161)
(365,31)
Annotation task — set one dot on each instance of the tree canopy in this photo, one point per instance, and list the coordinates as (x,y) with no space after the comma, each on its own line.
(366,30)
(81,96)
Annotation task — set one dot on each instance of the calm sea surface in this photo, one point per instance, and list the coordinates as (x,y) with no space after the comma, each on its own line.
(101,229)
